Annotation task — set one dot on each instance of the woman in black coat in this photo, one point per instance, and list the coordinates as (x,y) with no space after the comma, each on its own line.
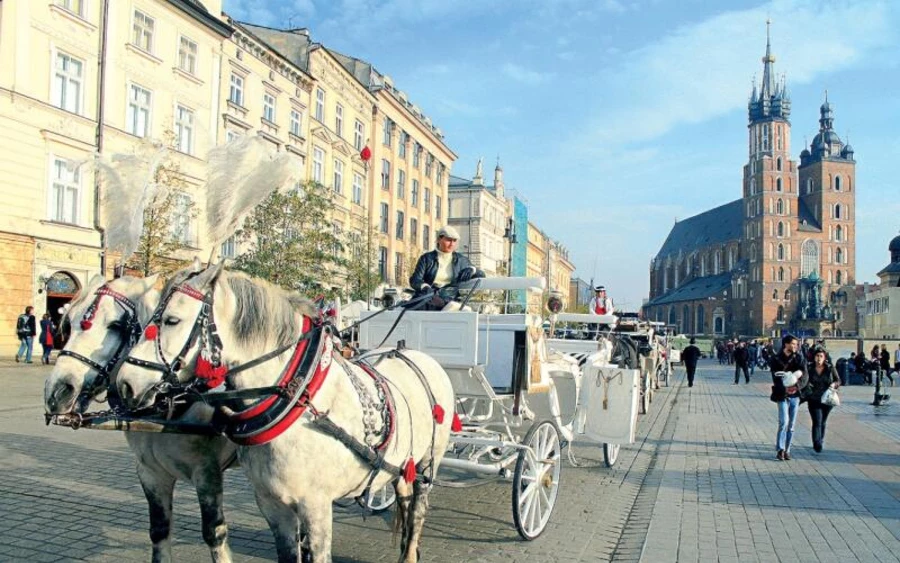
(46,338)
(822,375)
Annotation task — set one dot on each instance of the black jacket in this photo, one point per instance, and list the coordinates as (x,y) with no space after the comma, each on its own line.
(794,362)
(690,355)
(741,357)
(427,266)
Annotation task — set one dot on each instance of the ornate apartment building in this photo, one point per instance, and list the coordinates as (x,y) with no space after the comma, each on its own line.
(782,257)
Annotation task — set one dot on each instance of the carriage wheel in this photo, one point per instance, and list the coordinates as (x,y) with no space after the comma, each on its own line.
(536,480)
(381,499)
(611,453)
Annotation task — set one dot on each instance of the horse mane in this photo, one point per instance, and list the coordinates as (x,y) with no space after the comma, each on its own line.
(262,307)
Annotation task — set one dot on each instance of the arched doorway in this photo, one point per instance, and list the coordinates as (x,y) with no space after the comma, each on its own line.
(61,288)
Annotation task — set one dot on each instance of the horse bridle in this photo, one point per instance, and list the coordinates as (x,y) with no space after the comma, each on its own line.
(132,331)
(204,328)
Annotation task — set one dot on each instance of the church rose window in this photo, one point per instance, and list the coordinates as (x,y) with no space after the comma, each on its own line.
(809,258)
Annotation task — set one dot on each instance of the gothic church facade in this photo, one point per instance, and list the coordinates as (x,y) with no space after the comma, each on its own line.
(781,258)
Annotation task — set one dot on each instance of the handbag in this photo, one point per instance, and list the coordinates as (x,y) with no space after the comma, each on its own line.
(49,337)
(830,397)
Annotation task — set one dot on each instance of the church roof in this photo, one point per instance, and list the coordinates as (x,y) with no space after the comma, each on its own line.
(716,226)
(699,288)
(892,268)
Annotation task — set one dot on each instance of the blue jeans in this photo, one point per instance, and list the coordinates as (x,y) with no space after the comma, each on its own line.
(787,419)
(25,347)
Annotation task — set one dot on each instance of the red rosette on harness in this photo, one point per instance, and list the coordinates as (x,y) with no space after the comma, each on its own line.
(409,471)
(151,332)
(438,412)
(86,325)
(456,425)
(212,375)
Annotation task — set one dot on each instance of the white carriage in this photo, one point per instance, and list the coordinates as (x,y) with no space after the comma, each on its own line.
(518,401)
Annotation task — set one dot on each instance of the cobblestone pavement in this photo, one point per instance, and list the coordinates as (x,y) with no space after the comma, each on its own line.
(701,483)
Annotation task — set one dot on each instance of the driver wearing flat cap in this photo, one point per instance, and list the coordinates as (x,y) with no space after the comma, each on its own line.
(443,266)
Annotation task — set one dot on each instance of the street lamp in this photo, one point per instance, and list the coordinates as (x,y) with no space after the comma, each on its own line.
(509,233)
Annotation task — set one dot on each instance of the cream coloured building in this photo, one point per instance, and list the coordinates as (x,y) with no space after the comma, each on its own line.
(409,176)
(481,214)
(559,271)
(157,75)
(881,309)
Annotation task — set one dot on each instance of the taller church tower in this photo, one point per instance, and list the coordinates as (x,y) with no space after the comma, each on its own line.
(770,201)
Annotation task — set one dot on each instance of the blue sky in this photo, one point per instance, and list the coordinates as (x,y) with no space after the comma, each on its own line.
(615,117)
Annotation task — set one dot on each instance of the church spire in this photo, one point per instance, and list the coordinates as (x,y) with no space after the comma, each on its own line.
(771,100)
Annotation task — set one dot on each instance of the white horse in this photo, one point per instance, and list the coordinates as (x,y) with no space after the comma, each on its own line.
(106,320)
(303,444)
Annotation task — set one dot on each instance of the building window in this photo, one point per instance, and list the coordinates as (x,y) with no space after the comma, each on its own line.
(839,256)
(780,316)
(228,248)
(388,125)
(787,294)
(385,220)
(385,174)
(65,192)
(440,173)
(414,193)
(181,224)
(417,152)
(837,211)
(780,273)
(357,188)
(838,278)
(778,164)
(269,107)
(413,229)
(320,105)
(184,129)
(780,252)
(318,170)
(67,79)
(400,225)
(427,200)
(429,164)
(401,184)
(138,118)
(401,146)
(426,236)
(775,294)
(780,230)
(837,183)
(338,177)
(142,31)
(358,135)
(437,207)
(777,184)
(382,262)
(187,55)
(838,233)
(809,258)
(236,92)
(779,207)
(339,120)
(296,123)
(809,185)
(74,6)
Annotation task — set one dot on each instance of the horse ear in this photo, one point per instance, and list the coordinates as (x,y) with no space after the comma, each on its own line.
(209,276)
(150,282)
(196,265)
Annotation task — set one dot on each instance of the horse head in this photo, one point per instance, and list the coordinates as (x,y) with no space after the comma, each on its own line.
(104,320)
(207,319)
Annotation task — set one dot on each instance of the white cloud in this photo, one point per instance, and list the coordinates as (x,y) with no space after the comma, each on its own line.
(697,72)
(524,75)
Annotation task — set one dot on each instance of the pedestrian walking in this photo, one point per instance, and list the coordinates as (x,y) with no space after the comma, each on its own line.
(26,329)
(741,361)
(897,359)
(46,338)
(822,376)
(787,397)
(689,356)
(753,351)
(884,359)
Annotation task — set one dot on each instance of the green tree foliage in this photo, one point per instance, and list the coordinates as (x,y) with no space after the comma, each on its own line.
(362,265)
(168,224)
(291,242)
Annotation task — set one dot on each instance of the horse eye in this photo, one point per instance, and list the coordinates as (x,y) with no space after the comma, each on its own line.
(172,321)
(116,325)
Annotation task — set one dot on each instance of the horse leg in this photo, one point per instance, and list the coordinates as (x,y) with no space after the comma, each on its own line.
(159,488)
(285,527)
(215,530)
(317,517)
(416,522)
(403,513)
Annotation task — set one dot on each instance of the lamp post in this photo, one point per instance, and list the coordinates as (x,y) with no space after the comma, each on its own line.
(510,234)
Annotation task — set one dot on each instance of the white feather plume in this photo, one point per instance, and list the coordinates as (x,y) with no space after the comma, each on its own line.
(242,173)
(127,186)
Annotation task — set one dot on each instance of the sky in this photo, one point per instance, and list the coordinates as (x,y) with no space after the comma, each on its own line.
(615,118)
